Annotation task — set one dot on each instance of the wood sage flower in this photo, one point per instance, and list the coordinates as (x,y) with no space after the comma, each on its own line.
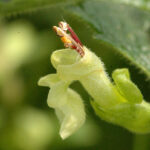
(119,103)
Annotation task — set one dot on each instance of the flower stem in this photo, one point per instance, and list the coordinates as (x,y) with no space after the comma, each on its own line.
(141,142)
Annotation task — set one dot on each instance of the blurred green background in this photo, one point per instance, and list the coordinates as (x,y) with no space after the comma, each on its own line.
(26,122)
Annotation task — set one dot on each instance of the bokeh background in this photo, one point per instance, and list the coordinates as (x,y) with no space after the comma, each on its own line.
(26,122)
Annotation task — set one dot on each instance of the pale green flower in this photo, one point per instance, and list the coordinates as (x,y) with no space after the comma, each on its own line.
(120,102)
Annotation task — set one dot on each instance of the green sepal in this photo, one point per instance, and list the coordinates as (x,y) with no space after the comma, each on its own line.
(126,87)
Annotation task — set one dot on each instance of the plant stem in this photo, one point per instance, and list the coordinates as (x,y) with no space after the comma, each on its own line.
(141,142)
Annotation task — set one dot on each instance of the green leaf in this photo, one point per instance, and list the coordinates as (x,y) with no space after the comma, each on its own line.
(12,7)
(124,28)
(145,4)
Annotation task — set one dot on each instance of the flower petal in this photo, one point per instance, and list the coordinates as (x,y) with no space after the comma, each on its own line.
(49,80)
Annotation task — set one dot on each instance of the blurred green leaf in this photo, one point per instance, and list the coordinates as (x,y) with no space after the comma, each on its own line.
(124,28)
(145,4)
(12,7)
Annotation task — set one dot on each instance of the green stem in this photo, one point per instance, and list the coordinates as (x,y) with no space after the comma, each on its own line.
(141,142)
